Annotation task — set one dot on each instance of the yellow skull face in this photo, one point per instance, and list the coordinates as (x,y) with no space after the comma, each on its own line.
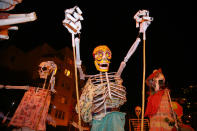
(102,57)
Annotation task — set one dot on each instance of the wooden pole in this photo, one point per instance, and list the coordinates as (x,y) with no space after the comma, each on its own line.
(76,82)
(143,82)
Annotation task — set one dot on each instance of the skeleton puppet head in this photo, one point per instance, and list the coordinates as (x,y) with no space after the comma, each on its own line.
(47,67)
(156,80)
(138,111)
(102,57)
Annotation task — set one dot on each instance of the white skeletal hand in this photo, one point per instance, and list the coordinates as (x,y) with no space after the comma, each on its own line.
(73,19)
(143,20)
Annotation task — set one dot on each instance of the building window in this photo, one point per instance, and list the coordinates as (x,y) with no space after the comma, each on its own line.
(63,115)
(63,100)
(56,114)
(59,114)
(62,84)
(67,72)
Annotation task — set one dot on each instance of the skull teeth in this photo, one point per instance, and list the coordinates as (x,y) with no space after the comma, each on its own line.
(103,65)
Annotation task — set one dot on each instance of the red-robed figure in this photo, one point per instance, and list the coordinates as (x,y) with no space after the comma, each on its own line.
(164,114)
(159,108)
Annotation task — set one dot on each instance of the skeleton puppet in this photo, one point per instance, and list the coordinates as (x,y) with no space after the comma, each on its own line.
(136,122)
(159,106)
(31,113)
(103,92)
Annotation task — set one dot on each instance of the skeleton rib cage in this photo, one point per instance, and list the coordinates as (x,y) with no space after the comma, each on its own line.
(108,91)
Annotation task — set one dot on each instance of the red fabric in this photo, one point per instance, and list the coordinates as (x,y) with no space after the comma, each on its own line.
(33,110)
(187,127)
(174,129)
(153,103)
(184,127)
(151,76)
(177,108)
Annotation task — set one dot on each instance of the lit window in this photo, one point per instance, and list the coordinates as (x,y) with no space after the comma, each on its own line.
(67,72)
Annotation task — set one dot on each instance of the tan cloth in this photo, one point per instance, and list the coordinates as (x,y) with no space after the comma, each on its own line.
(158,121)
(32,110)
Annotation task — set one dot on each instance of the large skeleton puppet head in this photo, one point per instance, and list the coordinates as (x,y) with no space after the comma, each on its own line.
(156,80)
(46,68)
(102,56)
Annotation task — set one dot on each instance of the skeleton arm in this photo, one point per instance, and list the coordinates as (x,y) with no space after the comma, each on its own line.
(142,21)
(18,18)
(129,54)
(78,60)
(72,22)
(14,87)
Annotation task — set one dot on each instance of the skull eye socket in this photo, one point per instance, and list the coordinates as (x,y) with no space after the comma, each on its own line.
(108,55)
(44,68)
(99,55)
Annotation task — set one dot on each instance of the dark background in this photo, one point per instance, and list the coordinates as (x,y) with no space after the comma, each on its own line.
(170,42)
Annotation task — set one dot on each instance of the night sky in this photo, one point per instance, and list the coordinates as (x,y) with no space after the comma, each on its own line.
(170,44)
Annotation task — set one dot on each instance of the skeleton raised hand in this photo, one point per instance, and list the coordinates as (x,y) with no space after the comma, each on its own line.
(143,20)
(72,20)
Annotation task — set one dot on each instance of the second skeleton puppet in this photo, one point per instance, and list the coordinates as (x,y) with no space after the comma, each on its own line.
(103,93)
(159,107)
(32,112)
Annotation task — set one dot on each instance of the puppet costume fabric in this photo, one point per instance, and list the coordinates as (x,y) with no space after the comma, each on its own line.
(106,116)
(159,108)
(159,111)
(32,110)
(113,121)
